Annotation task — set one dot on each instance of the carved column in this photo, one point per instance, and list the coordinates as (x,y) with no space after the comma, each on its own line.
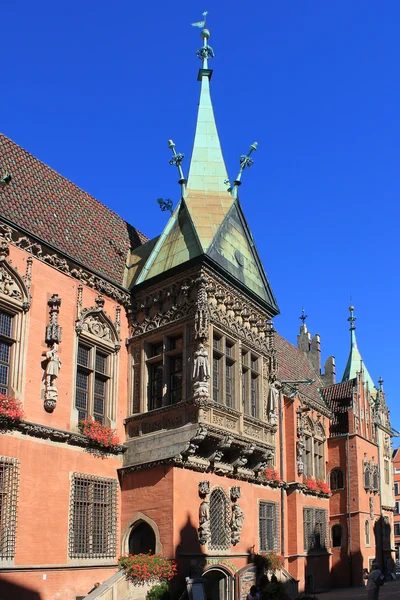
(201,365)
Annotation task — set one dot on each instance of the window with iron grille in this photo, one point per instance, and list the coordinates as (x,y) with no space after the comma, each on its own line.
(268,526)
(6,344)
(92,382)
(8,506)
(223,370)
(250,383)
(165,369)
(315,523)
(93,517)
(219,520)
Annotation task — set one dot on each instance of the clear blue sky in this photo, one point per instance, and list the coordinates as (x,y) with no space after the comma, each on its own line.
(95,90)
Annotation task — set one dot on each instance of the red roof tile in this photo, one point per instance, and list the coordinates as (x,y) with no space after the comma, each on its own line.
(339,391)
(52,208)
(294,364)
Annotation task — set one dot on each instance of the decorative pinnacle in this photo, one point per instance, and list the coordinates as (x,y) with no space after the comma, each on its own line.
(245,161)
(206,51)
(177,159)
(165,204)
(352,318)
(380,381)
(303,316)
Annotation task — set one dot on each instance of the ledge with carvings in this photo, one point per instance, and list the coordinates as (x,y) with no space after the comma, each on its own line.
(62,436)
(303,489)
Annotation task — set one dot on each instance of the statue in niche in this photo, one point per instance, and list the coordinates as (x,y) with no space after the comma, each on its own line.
(201,372)
(236,523)
(204,522)
(301,446)
(52,370)
(272,405)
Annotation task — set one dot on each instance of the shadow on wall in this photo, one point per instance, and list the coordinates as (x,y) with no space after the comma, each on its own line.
(383,554)
(316,568)
(13,591)
(189,556)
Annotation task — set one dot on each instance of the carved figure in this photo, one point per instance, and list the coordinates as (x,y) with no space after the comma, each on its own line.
(52,370)
(201,367)
(371,508)
(301,446)
(272,405)
(236,523)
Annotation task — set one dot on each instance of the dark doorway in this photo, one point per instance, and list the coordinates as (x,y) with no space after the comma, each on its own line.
(217,585)
(142,540)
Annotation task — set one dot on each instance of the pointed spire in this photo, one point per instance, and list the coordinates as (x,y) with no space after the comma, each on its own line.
(207,171)
(355,363)
(303,318)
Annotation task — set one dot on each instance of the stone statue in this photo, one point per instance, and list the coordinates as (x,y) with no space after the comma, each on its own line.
(204,522)
(272,406)
(236,523)
(201,367)
(301,446)
(52,370)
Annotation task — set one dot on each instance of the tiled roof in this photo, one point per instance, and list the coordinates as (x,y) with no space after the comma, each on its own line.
(339,391)
(52,208)
(293,364)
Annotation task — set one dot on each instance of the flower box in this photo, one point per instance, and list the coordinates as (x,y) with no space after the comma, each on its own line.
(98,434)
(317,486)
(269,561)
(141,568)
(272,475)
(10,410)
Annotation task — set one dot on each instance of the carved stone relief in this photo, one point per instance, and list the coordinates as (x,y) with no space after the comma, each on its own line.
(204,531)
(237,516)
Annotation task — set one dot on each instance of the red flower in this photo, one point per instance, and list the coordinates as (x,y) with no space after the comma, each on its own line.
(98,433)
(10,409)
(144,567)
(272,474)
(311,484)
(324,487)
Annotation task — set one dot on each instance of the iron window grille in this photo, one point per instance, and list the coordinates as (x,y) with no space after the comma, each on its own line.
(219,520)
(268,526)
(315,533)
(6,345)
(8,506)
(92,381)
(93,517)
(165,370)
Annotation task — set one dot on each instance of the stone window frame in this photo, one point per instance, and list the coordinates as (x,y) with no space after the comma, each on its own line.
(311,515)
(275,534)
(9,505)
(252,368)
(110,551)
(334,476)
(164,358)
(18,310)
(315,438)
(224,541)
(111,348)
(224,350)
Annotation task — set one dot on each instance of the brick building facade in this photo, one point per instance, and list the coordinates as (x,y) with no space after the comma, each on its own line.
(231,435)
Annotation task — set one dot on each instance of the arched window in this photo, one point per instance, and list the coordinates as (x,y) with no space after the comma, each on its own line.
(367,478)
(336,480)
(376,480)
(367,534)
(142,539)
(219,520)
(336,536)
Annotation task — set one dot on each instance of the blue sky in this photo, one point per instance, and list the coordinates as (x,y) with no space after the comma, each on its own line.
(96,89)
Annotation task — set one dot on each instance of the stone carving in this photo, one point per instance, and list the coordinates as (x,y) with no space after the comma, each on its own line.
(53,329)
(272,406)
(8,285)
(64,265)
(204,531)
(300,449)
(95,321)
(237,516)
(95,326)
(201,322)
(371,508)
(201,373)
(52,369)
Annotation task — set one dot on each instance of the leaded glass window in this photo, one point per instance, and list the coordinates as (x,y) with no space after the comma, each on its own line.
(6,343)
(250,383)
(223,370)
(165,371)
(219,520)
(93,517)
(8,506)
(92,380)
(315,523)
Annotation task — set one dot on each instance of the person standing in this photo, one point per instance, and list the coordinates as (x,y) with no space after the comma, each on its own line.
(375,580)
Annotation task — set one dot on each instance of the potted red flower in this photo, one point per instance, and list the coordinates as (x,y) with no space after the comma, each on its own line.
(10,410)
(311,484)
(99,434)
(323,486)
(272,475)
(141,568)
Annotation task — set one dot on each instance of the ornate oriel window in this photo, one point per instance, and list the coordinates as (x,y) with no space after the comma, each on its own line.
(223,370)
(93,517)
(250,383)
(315,523)
(165,371)
(219,520)
(336,536)
(336,479)
(268,526)
(8,506)
(96,366)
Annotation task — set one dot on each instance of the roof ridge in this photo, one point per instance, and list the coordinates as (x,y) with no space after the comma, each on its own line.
(2,135)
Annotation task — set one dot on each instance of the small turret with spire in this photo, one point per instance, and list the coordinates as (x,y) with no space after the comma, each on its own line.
(355,362)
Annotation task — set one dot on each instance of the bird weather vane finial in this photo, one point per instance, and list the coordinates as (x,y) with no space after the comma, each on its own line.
(201,24)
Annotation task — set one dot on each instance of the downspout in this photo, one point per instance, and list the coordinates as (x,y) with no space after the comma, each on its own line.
(281,457)
(350,542)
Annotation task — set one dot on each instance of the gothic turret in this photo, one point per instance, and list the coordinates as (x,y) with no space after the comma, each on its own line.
(355,363)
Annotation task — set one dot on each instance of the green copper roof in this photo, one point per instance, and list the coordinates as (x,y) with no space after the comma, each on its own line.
(355,362)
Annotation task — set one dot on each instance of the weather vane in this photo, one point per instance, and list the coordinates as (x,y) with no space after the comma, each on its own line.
(165,204)
(201,24)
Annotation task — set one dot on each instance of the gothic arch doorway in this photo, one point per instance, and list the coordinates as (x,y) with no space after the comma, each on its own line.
(218,584)
(142,539)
